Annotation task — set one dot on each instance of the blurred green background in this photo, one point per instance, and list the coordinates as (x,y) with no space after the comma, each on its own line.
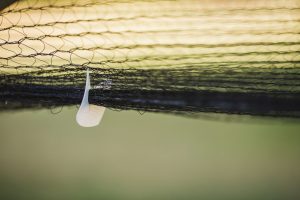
(150,156)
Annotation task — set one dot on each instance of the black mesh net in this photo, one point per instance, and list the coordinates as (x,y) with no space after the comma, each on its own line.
(184,57)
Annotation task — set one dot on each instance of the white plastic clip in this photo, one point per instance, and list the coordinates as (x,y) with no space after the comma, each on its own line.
(89,115)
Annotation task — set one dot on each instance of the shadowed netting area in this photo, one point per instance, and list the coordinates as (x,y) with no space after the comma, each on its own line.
(184,56)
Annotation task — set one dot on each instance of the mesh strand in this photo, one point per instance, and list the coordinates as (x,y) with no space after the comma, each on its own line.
(182,57)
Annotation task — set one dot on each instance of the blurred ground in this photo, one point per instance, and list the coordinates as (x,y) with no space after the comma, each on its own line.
(150,156)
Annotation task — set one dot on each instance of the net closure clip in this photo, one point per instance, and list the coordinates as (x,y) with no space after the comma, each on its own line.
(89,115)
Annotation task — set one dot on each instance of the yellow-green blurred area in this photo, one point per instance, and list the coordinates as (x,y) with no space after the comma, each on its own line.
(46,35)
(150,156)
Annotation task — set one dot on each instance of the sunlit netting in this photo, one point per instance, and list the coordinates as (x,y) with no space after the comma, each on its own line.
(184,56)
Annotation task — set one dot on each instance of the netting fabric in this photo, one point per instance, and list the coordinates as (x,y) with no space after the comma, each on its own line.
(176,56)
